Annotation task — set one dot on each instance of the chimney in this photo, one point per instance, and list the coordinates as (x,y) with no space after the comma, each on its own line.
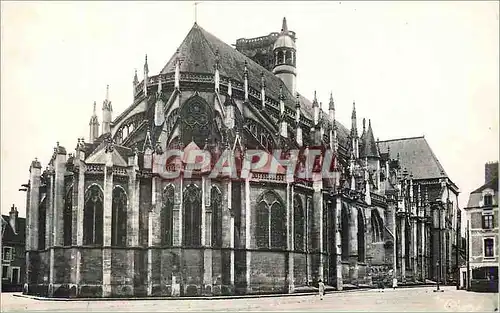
(490,171)
(13,214)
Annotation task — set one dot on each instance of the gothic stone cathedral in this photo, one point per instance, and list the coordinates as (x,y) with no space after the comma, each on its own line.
(102,222)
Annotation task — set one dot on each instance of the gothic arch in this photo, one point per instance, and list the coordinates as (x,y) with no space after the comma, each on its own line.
(68,217)
(192,216)
(93,216)
(216,206)
(166,215)
(298,223)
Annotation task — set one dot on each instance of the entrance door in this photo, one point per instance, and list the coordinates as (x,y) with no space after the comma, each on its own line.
(464,279)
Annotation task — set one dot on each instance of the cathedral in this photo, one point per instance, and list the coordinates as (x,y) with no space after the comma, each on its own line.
(104,221)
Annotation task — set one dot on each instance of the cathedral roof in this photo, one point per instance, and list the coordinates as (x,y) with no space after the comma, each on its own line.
(415,155)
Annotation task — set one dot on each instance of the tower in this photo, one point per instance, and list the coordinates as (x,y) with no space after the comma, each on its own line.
(285,58)
(94,126)
(107,111)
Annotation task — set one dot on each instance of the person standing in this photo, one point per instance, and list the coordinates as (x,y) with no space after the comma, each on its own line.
(394,283)
(321,289)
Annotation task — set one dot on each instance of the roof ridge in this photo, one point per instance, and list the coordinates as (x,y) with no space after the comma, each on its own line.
(436,159)
(404,138)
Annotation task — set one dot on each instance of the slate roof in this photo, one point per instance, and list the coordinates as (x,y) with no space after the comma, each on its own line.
(9,236)
(492,184)
(119,155)
(368,145)
(197,52)
(415,155)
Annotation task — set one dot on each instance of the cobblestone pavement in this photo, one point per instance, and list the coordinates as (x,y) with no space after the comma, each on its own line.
(411,299)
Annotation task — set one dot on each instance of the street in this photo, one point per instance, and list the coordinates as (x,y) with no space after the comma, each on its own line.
(411,299)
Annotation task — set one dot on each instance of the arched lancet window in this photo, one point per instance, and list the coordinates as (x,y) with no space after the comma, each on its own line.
(325,226)
(278,226)
(167,216)
(192,216)
(345,232)
(298,224)
(42,218)
(271,229)
(361,236)
(93,216)
(262,231)
(131,128)
(408,242)
(216,206)
(68,218)
(119,218)
(377,226)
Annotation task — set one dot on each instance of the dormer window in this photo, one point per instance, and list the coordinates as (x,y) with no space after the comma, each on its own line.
(488,200)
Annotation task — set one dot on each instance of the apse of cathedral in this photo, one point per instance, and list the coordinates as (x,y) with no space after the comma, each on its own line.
(104,221)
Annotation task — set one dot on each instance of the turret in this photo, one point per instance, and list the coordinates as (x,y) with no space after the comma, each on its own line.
(107,111)
(315,106)
(94,126)
(333,126)
(285,58)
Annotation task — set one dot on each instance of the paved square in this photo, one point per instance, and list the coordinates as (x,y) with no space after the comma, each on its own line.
(412,299)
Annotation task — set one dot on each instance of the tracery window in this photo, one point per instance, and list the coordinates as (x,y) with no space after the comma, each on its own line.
(196,121)
(192,216)
(93,216)
(167,215)
(68,218)
(298,224)
(216,206)
(271,226)
(119,218)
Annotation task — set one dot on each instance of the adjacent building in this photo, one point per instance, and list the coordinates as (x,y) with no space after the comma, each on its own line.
(482,221)
(13,251)
(104,221)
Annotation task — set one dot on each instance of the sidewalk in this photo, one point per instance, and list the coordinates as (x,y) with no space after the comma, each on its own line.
(249,296)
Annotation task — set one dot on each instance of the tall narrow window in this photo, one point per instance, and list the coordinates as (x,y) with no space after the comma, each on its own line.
(298,223)
(488,200)
(488,247)
(42,218)
(325,226)
(361,236)
(278,226)
(345,232)
(68,217)
(93,216)
(192,216)
(167,215)
(216,205)
(119,218)
(262,225)
(377,226)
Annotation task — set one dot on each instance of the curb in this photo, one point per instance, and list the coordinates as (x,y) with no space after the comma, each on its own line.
(251,296)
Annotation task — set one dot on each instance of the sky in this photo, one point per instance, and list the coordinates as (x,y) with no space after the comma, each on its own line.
(414,68)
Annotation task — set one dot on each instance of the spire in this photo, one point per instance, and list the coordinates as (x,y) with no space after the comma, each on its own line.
(297,121)
(364,128)
(331,105)
(177,75)
(284,27)
(146,75)
(107,110)
(93,125)
(368,143)
(315,110)
(136,79)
